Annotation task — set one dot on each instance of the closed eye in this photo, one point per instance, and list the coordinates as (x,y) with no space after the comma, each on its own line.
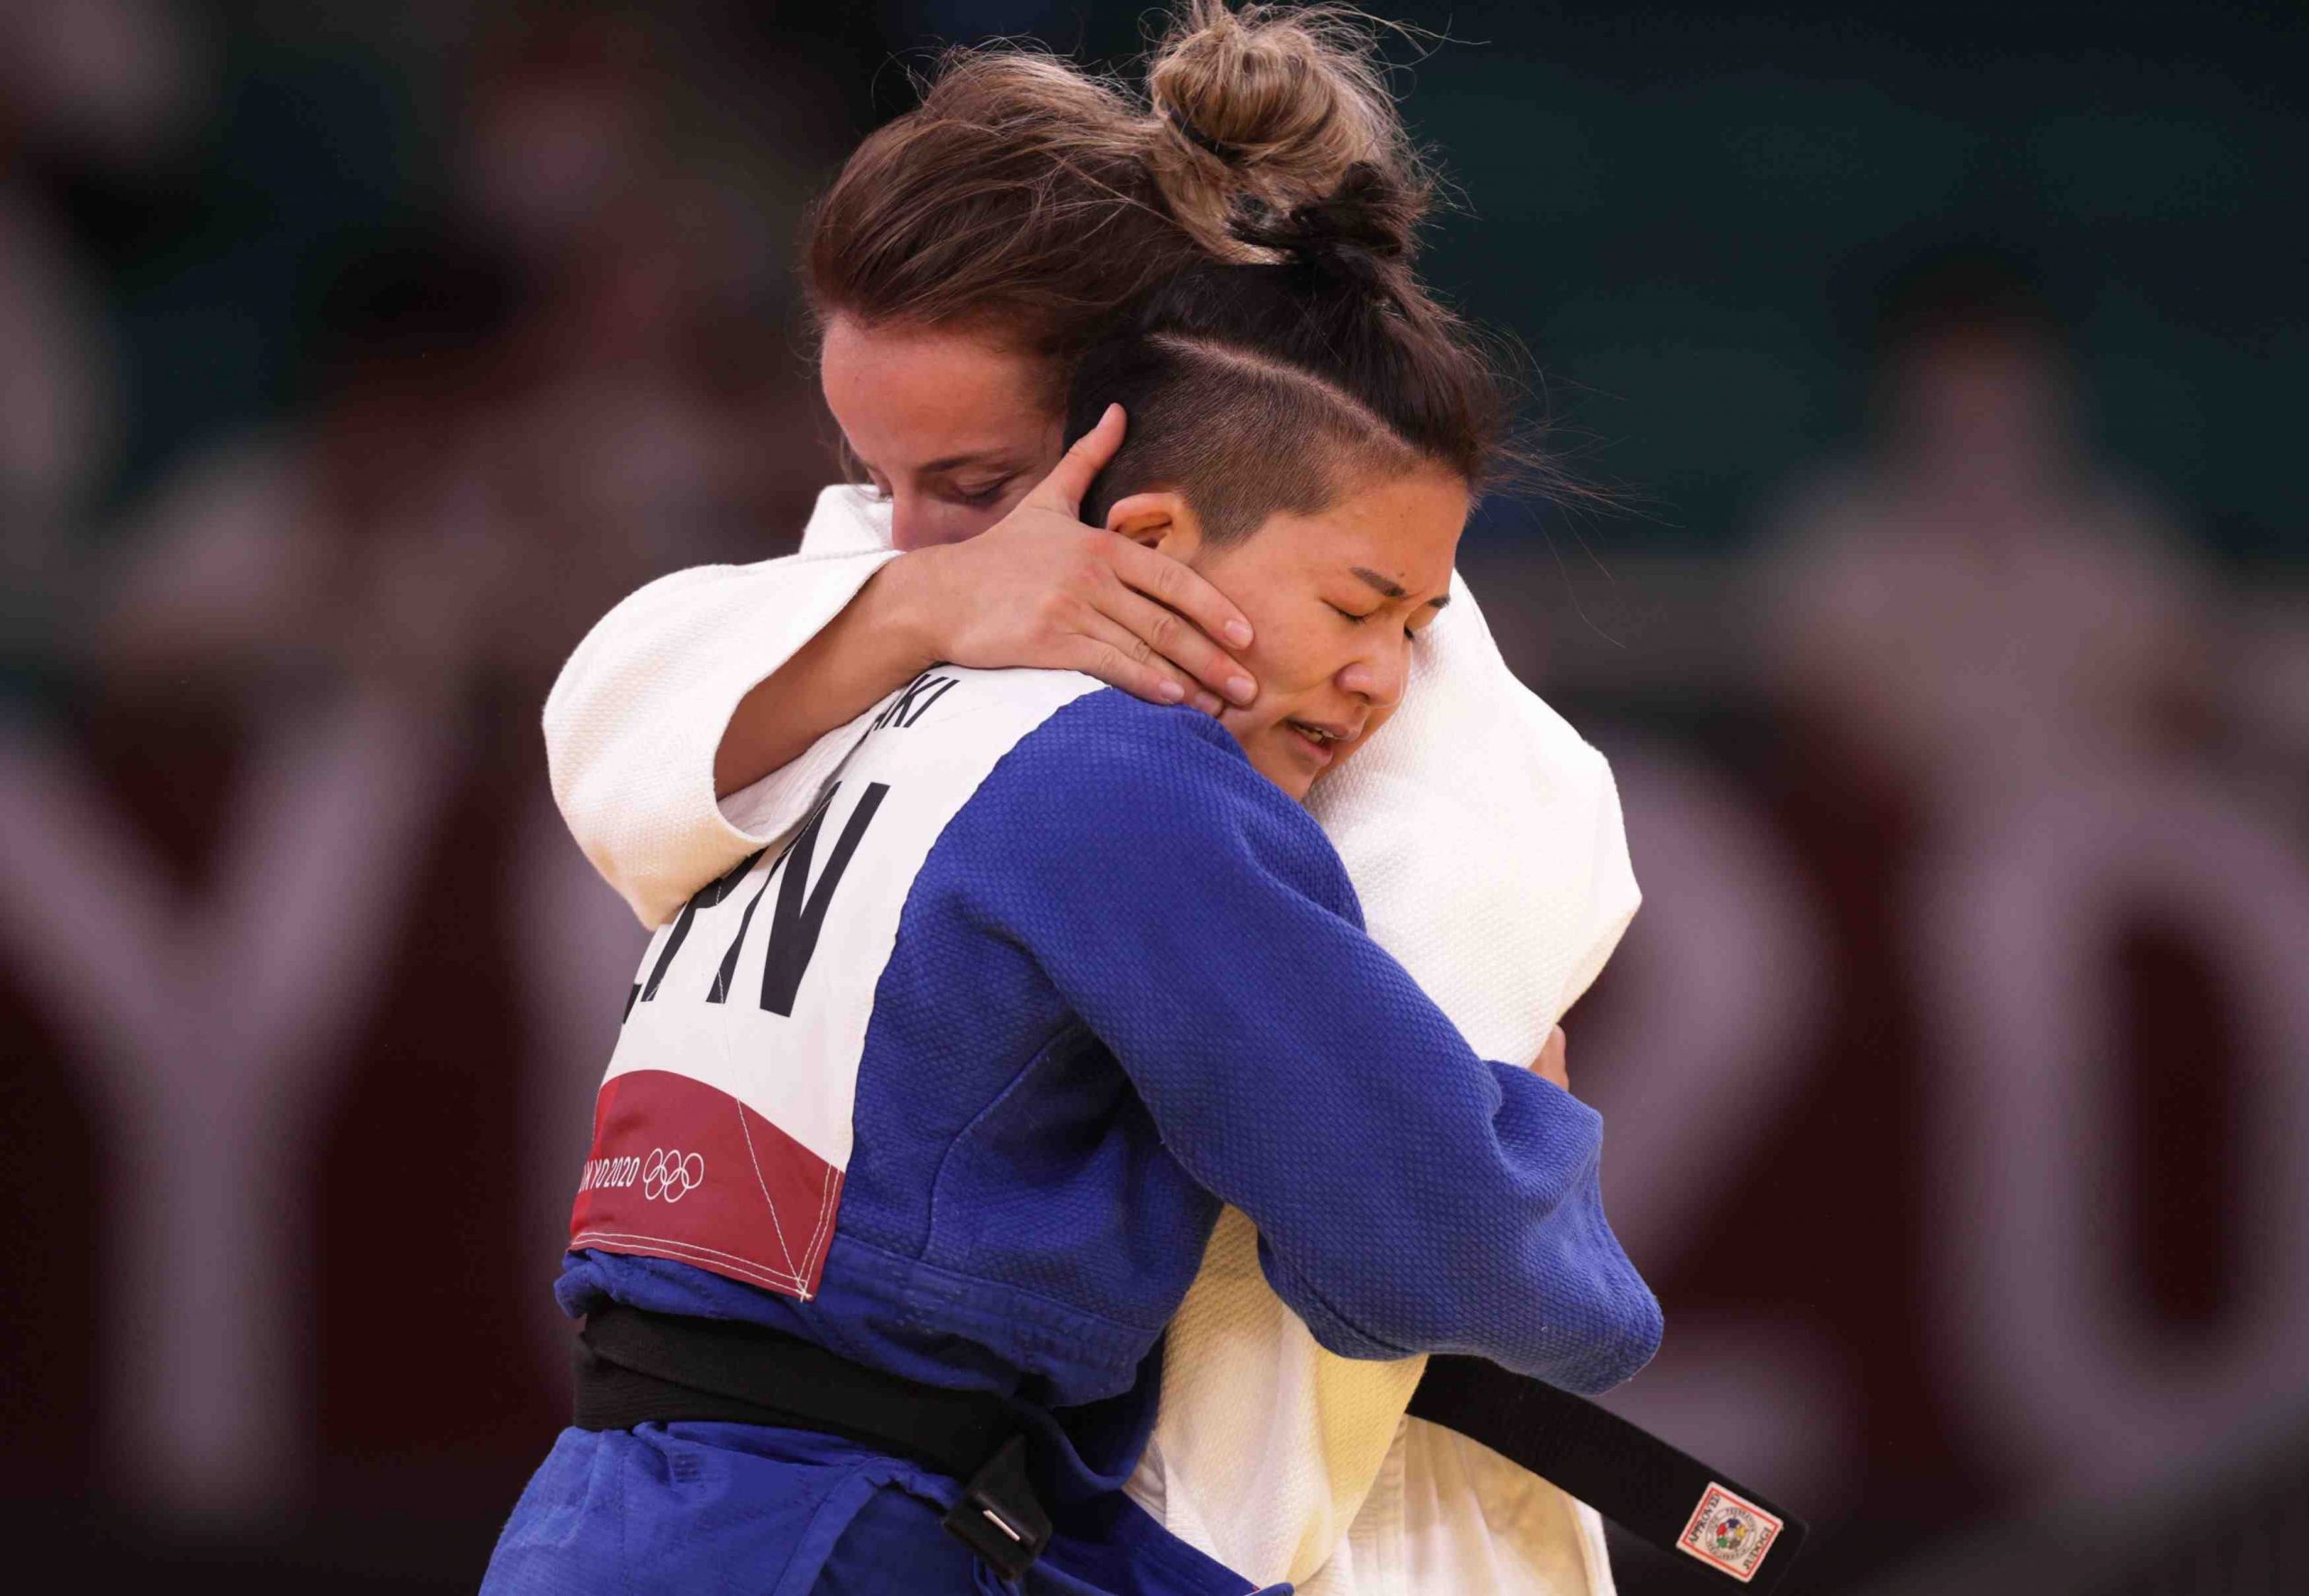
(1411,632)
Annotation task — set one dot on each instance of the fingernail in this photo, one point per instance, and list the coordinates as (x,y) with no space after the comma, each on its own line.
(1210,704)
(1238,633)
(1242,688)
(1171,691)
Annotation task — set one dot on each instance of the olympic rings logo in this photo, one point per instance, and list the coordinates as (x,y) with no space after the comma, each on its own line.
(671,1174)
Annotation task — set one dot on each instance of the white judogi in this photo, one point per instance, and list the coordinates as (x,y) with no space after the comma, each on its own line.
(1484,838)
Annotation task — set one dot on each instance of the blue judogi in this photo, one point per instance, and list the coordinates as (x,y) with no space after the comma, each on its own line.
(955,1086)
(710,1508)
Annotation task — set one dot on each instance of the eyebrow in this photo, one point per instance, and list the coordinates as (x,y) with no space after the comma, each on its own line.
(1393,589)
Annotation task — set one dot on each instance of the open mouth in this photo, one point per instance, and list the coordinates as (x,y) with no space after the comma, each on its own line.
(1321,735)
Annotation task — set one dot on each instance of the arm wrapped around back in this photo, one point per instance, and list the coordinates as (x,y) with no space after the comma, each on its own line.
(1410,1195)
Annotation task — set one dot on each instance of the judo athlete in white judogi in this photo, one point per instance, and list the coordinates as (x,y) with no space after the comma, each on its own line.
(1486,850)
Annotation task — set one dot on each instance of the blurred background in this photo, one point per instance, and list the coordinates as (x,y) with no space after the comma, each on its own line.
(1952,646)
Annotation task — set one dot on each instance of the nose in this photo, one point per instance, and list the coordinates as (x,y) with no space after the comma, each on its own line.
(918,520)
(1380,673)
(910,528)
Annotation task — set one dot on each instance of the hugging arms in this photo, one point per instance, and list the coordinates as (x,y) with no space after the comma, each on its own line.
(1302,434)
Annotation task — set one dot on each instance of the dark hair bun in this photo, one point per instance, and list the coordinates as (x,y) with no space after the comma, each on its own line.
(1359,233)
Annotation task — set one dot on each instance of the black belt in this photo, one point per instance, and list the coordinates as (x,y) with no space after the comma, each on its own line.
(1668,1499)
(638,1367)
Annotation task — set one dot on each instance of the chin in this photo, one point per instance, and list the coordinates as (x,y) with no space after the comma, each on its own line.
(1279,754)
(1287,774)
(1294,784)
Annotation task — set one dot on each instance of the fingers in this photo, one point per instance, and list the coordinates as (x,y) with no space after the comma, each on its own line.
(1179,641)
(1071,477)
(1117,659)
(1177,586)
(1553,1063)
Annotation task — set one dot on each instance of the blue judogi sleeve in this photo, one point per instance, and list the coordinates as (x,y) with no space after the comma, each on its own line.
(1410,1195)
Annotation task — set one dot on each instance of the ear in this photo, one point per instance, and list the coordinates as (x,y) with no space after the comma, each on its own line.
(1160,520)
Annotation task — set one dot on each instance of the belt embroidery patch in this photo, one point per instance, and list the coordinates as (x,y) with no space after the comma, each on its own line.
(1729,1532)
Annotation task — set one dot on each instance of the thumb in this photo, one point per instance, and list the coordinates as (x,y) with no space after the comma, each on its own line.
(1080,466)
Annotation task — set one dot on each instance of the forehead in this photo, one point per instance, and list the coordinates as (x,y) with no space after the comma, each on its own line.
(1404,529)
(905,394)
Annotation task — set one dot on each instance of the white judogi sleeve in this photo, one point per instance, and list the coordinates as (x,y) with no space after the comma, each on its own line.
(636,716)
(1483,840)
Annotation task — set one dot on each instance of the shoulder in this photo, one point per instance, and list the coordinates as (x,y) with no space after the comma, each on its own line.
(1109,784)
(1110,734)
(1109,746)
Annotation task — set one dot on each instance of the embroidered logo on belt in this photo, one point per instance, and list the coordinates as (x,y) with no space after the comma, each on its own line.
(1729,1532)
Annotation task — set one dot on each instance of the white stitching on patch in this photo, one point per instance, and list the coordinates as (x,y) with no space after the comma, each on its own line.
(828,1186)
(766,1201)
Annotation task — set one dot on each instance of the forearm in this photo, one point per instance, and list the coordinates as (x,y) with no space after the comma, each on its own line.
(1494,1243)
(879,642)
(1400,1212)
(1411,1196)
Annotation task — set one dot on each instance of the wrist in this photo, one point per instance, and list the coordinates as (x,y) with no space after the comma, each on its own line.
(904,611)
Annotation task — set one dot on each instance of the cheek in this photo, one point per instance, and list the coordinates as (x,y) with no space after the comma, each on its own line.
(1293,652)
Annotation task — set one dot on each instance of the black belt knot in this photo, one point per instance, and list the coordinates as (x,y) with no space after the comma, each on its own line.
(638,1367)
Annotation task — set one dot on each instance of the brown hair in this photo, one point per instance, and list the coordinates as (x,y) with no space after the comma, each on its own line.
(1030,196)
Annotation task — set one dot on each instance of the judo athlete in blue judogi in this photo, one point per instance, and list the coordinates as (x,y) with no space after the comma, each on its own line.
(918,1124)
